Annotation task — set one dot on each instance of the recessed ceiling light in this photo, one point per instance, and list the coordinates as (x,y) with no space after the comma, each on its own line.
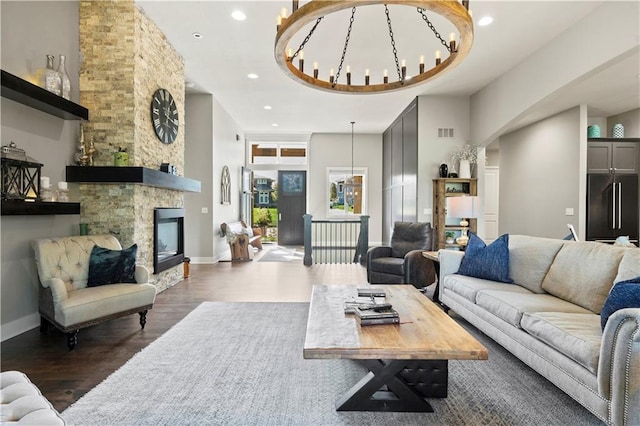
(267,107)
(197,35)
(275,124)
(485,20)
(252,76)
(238,15)
(189,84)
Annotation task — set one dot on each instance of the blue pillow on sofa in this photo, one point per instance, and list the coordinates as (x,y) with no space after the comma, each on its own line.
(108,266)
(624,294)
(490,262)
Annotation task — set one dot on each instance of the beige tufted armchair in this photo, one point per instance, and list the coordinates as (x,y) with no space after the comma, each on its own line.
(68,303)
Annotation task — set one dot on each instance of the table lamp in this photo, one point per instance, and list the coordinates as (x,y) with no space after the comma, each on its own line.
(463,207)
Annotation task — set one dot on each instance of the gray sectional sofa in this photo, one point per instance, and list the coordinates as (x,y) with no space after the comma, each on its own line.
(550,318)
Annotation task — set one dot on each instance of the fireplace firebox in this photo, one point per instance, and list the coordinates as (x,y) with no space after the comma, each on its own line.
(168,238)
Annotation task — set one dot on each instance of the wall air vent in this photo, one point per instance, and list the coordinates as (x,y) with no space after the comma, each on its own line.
(445,133)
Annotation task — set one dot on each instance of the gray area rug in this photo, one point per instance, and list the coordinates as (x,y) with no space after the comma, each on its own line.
(241,364)
(281,254)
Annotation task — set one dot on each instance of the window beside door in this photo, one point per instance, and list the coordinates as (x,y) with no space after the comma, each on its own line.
(346,191)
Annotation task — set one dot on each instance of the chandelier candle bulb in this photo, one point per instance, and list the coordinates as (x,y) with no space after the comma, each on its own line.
(421,64)
(315,70)
(284,13)
(366,77)
(348,75)
(301,61)
(385,79)
(438,59)
(331,74)
(404,69)
(290,55)
(452,42)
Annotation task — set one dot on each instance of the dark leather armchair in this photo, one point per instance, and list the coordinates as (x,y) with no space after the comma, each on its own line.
(402,262)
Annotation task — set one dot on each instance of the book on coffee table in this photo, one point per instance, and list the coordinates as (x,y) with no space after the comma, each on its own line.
(372,314)
(371,292)
(378,321)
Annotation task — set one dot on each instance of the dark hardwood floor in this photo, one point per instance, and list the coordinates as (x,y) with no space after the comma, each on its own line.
(64,377)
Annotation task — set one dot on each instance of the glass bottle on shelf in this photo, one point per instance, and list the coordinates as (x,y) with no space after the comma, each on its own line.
(52,80)
(64,78)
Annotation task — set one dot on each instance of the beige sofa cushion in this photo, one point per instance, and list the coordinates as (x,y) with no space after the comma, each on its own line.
(468,287)
(87,304)
(530,259)
(578,336)
(510,306)
(629,266)
(583,273)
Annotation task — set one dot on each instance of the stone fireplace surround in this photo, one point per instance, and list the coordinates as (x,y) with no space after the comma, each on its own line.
(125,58)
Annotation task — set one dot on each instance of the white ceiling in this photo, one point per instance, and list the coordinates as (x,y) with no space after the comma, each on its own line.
(229,50)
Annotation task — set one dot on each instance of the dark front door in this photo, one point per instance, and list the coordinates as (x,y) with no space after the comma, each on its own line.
(292,205)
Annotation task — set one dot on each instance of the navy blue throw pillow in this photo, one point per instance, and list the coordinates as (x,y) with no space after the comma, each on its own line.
(624,294)
(490,262)
(112,266)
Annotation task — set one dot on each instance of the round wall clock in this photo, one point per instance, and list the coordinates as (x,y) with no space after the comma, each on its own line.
(164,116)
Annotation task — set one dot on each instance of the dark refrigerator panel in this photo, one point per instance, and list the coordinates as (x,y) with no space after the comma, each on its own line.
(612,207)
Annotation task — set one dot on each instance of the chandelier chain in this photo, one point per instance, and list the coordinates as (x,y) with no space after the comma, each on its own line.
(306,39)
(346,44)
(435,32)
(393,42)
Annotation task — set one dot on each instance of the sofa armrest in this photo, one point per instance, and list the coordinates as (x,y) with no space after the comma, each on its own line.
(142,274)
(449,261)
(375,253)
(619,366)
(418,270)
(58,290)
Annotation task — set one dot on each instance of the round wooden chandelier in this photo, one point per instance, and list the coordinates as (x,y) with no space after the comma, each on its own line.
(288,26)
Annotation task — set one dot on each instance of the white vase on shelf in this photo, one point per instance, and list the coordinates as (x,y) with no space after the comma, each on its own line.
(465,169)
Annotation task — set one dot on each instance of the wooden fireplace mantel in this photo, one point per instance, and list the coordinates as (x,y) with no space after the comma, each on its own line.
(131,175)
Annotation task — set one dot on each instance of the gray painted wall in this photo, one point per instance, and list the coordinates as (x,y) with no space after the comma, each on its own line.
(540,175)
(197,160)
(630,120)
(227,151)
(323,149)
(436,112)
(28,34)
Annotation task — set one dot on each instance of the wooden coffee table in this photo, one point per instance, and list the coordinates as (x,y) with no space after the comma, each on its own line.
(407,362)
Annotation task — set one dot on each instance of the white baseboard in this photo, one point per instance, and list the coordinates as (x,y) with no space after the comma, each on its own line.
(203,260)
(19,326)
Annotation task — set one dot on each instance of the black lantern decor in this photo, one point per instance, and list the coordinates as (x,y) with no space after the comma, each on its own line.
(20,175)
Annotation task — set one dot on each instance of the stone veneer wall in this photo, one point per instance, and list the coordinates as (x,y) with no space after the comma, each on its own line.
(125,58)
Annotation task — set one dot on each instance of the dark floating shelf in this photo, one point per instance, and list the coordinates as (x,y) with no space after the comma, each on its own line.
(613,139)
(133,175)
(20,207)
(36,97)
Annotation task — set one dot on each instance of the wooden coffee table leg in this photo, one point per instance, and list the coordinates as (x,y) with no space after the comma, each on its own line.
(368,395)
